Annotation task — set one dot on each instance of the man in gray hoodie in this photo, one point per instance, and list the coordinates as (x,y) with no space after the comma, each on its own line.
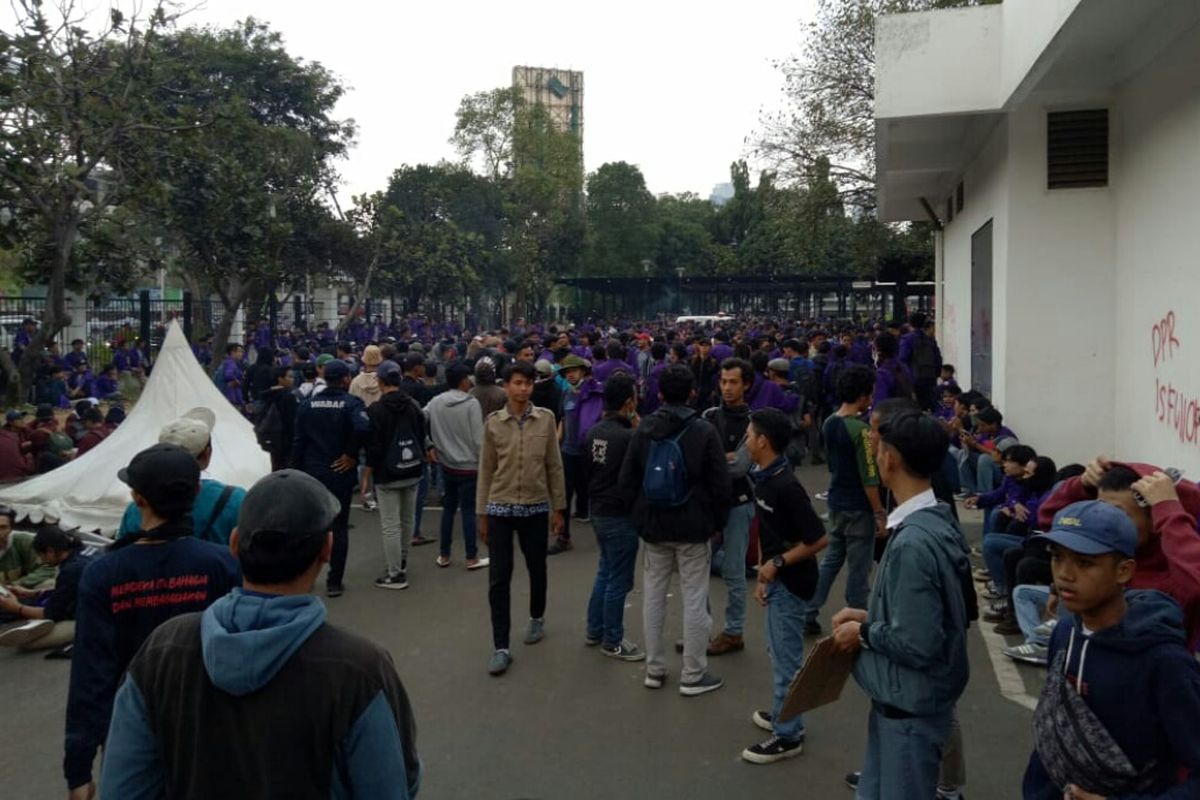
(911,638)
(456,427)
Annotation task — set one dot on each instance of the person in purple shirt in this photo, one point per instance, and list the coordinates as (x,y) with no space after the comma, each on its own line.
(658,362)
(262,335)
(122,358)
(765,393)
(82,382)
(919,351)
(860,351)
(721,349)
(106,385)
(76,355)
(232,375)
(614,363)
(23,338)
(980,453)
(892,378)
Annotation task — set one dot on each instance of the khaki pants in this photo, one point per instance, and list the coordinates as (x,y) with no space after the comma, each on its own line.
(62,633)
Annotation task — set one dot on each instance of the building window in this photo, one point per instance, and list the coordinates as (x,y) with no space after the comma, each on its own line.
(1077,149)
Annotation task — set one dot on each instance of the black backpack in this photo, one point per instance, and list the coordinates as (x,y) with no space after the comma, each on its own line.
(924,358)
(268,427)
(405,456)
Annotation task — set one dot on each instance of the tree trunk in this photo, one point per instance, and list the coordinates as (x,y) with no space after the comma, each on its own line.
(232,301)
(361,293)
(54,317)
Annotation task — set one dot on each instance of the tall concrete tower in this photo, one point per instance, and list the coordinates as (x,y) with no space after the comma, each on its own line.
(560,91)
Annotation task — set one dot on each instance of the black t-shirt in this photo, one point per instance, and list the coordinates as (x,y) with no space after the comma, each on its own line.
(65,597)
(786,518)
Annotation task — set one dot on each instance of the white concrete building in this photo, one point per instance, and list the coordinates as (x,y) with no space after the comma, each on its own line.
(1059,143)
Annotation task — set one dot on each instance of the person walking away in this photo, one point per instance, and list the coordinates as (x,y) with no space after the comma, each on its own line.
(790,536)
(731,419)
(365,386)
(456,428)
(920,353)
(210,701)
(911,639)
(331,427)
(275,423)
(521,490)
(1117,714)
(856,508)
(604,452)
(396,456)
(143,580)
(676,471)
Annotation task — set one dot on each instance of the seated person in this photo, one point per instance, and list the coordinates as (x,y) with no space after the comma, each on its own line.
(20,568)
(1117,716)
(946,378)
(114,418)
(58,451)
(52,389)
(215,510)
(15,463)
(94,430)
(51,614)
(106,384)
(1168,555)
(979,455)
(945,408)
(80,382)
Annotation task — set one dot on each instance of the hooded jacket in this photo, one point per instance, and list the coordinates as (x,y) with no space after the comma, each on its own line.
(365,387)
(917,618)
(1170,560)
(456,426)
(259,697)
(707,510)
(385,417)
(767,394)
(1141,682)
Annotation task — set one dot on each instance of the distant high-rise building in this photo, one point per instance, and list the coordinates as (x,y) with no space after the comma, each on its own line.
(559,91)
(722,193)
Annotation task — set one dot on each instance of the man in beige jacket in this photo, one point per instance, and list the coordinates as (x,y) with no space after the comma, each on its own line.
(365,387)
(521,488)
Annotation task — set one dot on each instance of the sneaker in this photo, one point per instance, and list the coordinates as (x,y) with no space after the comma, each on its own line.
(536,631)
(478,563)
(501,659)
(764,720)
(774,749)
(443,561)
(654,681)
(334,589)
(1028,653)
(949,794)
(591,641)
(397,581)
(996,614)
(707,683)
(625,651)
(582,518)
(851,779)
(418,540)
(990,592)
(23,634)
(725,643)
(63,652)
(560,545)
(1044,630)
(812,628)
(822,495)
(1007,627)
(369,505)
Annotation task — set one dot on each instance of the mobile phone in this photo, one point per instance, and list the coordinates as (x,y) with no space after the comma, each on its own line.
(1173,473)
(5,592)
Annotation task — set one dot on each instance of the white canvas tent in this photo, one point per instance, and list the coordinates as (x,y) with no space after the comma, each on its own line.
(86,492)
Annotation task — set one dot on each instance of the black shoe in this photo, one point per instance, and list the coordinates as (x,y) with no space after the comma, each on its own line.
(852,779)
(1007,627)
(334,589)
(63,652)
(397,581)
(812,628)
(774,749)
(560,545)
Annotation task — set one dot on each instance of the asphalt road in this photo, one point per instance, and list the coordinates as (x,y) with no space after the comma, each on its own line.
(565,722)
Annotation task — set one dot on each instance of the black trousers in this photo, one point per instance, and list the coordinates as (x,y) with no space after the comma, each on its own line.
(926,391)
(531,533)
(1026,565)
(341,534)
(576,479)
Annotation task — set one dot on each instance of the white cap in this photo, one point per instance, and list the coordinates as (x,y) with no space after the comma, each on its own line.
(192,431)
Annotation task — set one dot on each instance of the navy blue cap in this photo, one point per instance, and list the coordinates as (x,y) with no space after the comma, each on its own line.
(1093,528)
(336,370)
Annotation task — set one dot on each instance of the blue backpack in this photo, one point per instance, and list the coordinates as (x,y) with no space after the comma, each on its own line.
(665,481)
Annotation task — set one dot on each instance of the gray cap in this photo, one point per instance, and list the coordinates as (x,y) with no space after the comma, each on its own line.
(779,365)
(389,372)
(543,367)
(285,506)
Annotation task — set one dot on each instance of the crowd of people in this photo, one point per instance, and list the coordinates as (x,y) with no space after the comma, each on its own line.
(678,443)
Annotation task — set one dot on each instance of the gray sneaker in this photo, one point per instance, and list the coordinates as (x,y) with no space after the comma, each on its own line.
(625,651)
(1044,630)
(707,683)
(499,663)
(1028,653)
(536,631)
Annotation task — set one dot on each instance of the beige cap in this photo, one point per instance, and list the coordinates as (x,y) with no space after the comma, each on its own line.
(372,356)
(192,431)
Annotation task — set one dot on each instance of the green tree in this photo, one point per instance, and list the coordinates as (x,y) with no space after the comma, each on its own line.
(483,130)
(621,219)
(685,240)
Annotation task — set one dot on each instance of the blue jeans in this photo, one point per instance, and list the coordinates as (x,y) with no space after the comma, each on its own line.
(995,545)
(618,540)
(733,566)
(851,539)
(903,756)
(1029,604)
(785,645)
(459,495)
(988,474)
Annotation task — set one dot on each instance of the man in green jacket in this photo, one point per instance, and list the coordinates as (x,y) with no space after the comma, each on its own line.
(911,639)
(20,567)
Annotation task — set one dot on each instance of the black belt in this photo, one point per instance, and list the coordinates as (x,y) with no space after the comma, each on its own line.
(891,712)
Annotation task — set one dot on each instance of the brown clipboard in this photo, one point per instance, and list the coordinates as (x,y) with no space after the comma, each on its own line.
(820,681)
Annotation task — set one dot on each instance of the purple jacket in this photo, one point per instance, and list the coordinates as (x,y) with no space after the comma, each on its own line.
(908,344)
(886,384)
(650,401)
(1009,494)
(860,351)
(231,375)
(765,394)
(721,351)
(604,369)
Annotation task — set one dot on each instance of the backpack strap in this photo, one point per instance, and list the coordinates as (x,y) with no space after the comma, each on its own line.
(218,507)
(679,434)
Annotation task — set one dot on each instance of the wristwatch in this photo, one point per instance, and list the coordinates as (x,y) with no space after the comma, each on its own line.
(779,562)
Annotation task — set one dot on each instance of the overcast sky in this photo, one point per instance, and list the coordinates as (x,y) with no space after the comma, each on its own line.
(674,87)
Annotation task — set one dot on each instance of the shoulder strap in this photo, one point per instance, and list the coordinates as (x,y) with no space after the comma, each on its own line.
(679,434)
(218,507)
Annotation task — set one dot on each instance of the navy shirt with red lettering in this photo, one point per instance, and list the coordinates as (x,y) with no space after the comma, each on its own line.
(123,596)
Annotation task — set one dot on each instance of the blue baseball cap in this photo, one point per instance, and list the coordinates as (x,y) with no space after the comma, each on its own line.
(336,370)
(1093,528)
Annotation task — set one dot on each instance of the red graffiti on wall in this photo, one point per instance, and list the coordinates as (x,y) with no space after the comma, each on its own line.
(1163,339)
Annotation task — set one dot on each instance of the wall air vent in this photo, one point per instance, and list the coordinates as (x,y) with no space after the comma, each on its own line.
(1077,149)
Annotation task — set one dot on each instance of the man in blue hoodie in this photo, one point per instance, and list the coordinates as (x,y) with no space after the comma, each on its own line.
(209,707)
(1117,716)
(911,639)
